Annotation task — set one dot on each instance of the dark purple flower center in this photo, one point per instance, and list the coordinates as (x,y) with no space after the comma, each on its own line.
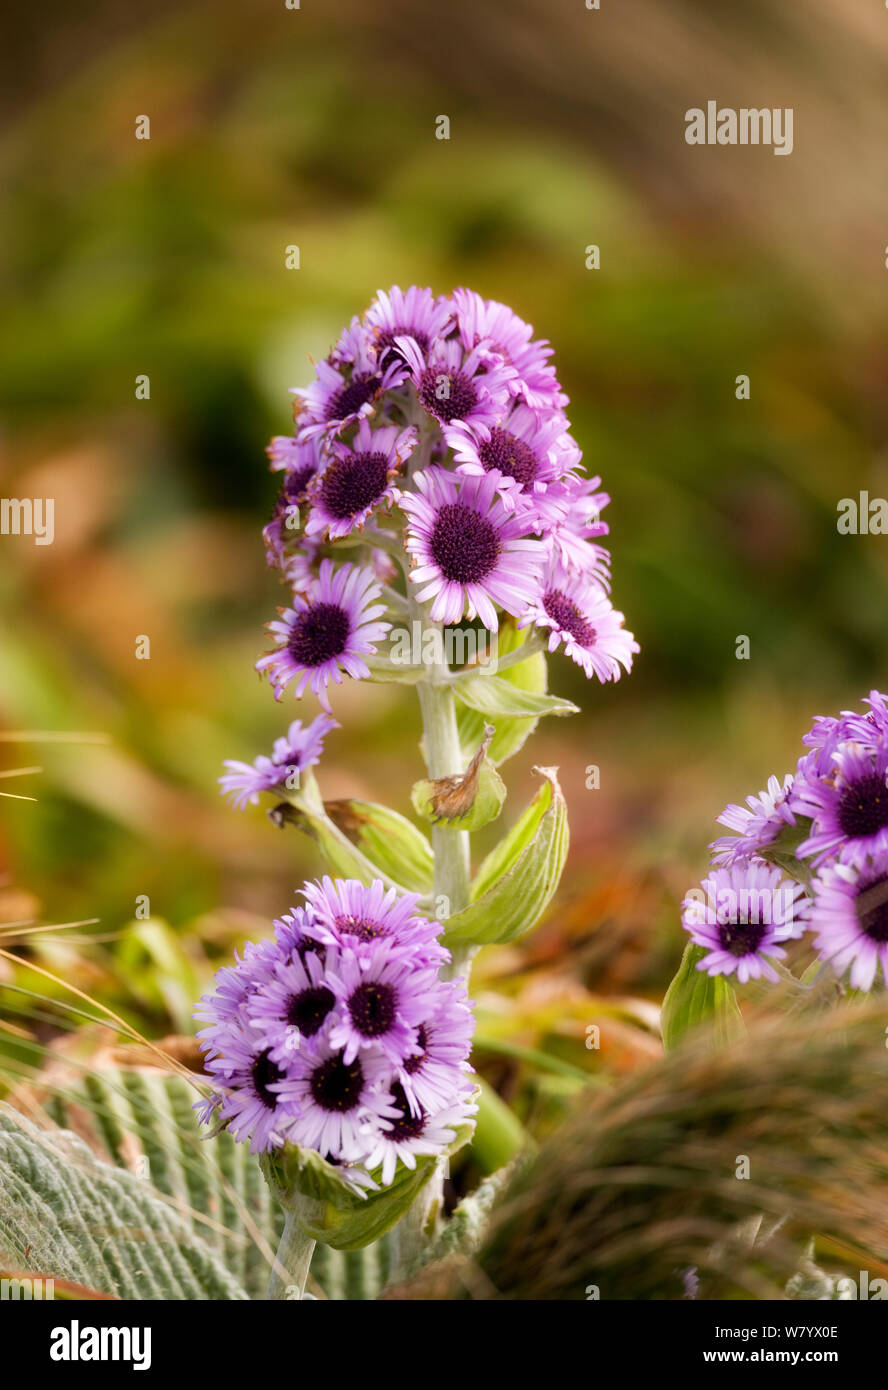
(406,1126)
(863,807)
(386,339)
(319,634)
(349,399)
(413,1063)
(372,1008)
(874,918)
(362,927)
(265,1073)
(349,485)
(336,1087)
(308,1009)
(294,485)
(567,615)
(741,938)
(447,395)
(510,455)
(464,544)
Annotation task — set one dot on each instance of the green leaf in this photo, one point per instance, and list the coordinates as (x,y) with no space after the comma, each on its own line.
(494,695)
(468,1226)
(511,731)
(694,999)
(306,811)
(337,1215)
(391,842)
(142,1117)
(499,1134)
(65,1213)
(517,880)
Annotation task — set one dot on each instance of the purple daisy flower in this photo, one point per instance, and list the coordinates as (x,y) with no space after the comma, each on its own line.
(293,1010)
(301,747)
(870,729)
(346,385)
(531,455)
(335,1100)
(289,454)
(454,385)
(233,986)
(415,314)
(850,915)
(401,1134)
(286,518)
(755,825)
(578,613)
(574,540)
(295,932)
(354,916)
(741,917)
(848,803)
(435,1071)
(356,479)
(332,625)
(382,1000)
(250,1084)
(470,551)
(499,331)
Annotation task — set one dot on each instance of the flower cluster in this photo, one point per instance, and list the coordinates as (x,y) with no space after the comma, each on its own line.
(827,829)
(433,445)
(338,1035)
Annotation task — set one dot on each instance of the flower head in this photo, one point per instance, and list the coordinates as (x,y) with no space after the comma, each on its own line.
(435,1070)
(532,454)
(847,800)
(346,385)
(469,550)
(353,915)
(499,333)
(755,825)
(300,748)
(383,998)
(849,913)
(286,519)
(453,384)
(400,1133)
(415,313)
(577,613)
(356,479)
(248,1087)
(331,627)
(741,917)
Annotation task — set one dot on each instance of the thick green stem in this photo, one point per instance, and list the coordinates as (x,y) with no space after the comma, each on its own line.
(444,758)
(291,1263)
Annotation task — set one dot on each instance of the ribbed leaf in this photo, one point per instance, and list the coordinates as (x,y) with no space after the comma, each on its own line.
(143,1118)
(68,1215)
(390,841)
(516,881)
(695,998)
(512,731)
(493,695)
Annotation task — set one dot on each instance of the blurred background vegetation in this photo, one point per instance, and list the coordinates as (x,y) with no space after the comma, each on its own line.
(167,257)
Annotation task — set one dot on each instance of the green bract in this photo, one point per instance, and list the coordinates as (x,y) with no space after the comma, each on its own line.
(694,998)
(485,800)
(389,841)
(329,1209)
(516,881)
